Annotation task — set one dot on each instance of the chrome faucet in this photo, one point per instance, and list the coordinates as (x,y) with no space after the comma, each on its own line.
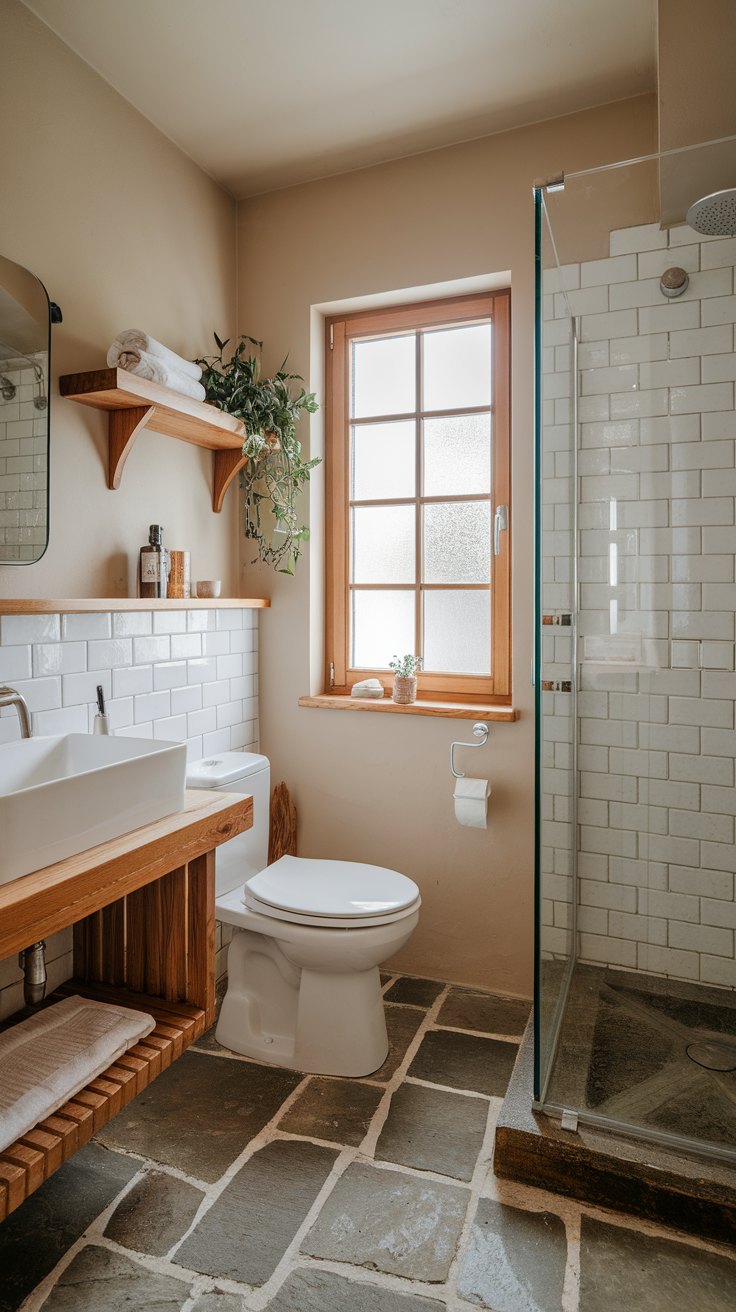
(9,697)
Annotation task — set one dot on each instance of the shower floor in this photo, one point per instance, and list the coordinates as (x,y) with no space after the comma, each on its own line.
(654,1053)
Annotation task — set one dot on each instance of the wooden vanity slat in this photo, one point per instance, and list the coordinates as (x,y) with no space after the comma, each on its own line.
(127,1079)
(150,1056)
(110,1092)
(4,1209)
(30,1161)
(14,1179)
(173,891)
(50,1145)
(41,903)
(201,905)
(97,1103)
(83,1118)
(173,1036)
(66,1131)
(136,1067)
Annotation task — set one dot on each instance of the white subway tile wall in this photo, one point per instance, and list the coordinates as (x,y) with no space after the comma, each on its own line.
(183,675)
(656,566)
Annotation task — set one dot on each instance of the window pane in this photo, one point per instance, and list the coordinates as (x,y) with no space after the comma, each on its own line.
(457,632)
(457,542)
(457,455)
(383,626)
(457,368)
(384,461)
(384,376)
(384,544)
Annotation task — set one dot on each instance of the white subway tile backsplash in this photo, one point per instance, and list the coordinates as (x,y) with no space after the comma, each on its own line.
(172,621)
(78,689)
(169,674)
(59,658)
(203,670)
(109,654)
(719,310)
(152,706)
(204,721)
(148,649)
(15,663)
(132,624)
(128,682)
(186,699)
(185,645)
(82,628)
(18,630)
(643,237)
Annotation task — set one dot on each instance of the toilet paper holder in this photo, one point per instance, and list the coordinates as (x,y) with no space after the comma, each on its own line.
(480,730)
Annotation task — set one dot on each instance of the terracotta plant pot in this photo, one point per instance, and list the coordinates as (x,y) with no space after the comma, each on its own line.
(405,690)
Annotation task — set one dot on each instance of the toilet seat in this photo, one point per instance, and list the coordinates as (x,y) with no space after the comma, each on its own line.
(330,894)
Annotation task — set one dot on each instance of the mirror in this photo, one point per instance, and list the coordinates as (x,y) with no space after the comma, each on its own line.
(25,327)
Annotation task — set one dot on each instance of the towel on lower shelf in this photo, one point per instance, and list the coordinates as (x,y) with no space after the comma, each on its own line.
(156,370)
(133,339)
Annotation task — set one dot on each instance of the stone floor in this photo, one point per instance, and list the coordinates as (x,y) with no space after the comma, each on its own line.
(232,1186)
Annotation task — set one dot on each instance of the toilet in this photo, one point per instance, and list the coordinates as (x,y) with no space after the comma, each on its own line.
(308,936)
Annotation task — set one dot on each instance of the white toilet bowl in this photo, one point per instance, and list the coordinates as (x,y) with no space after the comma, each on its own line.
(303,982)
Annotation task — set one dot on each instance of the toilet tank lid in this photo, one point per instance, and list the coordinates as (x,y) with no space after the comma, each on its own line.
(332,888)
(224,768)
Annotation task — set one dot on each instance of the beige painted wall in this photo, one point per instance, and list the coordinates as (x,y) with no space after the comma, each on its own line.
(124,231)
(697,87)
(373,787)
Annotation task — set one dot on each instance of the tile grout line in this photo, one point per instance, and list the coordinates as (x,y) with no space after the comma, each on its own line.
(213,1191)
(43,1289)
(571,1283)
(480,1175)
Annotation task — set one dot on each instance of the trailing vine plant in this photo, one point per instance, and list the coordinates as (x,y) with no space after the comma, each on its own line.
(274,471)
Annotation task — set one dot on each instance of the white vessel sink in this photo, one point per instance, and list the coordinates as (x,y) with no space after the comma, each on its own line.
(63,794)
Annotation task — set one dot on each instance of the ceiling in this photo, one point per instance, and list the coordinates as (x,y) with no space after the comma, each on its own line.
(267,93)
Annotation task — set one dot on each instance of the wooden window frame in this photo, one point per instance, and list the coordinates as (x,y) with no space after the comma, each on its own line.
(340,330)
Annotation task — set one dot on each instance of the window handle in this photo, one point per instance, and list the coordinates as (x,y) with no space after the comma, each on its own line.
(500,525)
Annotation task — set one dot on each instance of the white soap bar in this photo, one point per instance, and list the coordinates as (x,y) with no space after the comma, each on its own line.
(367,688)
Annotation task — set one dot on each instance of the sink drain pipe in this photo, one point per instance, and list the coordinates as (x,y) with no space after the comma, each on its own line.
(32,962)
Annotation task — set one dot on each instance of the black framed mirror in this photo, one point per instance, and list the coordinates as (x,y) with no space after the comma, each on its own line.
(25,349)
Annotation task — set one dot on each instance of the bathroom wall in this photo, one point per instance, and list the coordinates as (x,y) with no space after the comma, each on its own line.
(186,676)
(658,427)
(124,231)
(376,787)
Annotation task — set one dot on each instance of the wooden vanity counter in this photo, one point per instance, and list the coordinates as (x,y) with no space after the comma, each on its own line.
(143,911)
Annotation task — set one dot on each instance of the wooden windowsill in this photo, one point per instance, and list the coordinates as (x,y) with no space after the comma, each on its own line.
(442,710)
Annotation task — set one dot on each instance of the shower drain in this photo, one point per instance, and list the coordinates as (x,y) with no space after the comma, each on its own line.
(713,1056)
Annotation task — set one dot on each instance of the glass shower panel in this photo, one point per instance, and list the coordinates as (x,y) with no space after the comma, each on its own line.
(647,1038)
(556,797)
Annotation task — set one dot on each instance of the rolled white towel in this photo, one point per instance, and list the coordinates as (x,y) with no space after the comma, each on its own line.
(133,339)
(148,366)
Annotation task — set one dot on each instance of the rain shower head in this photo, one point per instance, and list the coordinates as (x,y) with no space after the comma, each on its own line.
(714,216)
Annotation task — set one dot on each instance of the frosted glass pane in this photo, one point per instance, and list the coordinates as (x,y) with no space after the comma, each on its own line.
(457,542)
(384,544)
(383,626)
(457,632)
(457,455)
(457,367)
(384,461)
(384,376)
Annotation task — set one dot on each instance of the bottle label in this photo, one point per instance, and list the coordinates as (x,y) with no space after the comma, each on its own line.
(150,567)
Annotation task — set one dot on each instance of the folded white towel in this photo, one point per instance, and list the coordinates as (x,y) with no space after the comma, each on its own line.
(133,339)
(149,366)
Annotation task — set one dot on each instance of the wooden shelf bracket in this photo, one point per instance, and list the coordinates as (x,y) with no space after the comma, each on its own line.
(134,403)
(124,427)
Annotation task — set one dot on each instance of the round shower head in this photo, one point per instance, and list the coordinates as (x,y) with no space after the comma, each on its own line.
(714,216)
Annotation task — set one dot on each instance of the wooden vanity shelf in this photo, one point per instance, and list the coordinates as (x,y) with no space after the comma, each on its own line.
(143,910)
(135,403)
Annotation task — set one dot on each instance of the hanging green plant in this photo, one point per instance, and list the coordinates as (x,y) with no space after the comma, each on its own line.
(274,471)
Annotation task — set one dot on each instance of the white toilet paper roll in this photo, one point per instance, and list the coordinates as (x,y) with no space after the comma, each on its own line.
(471,802)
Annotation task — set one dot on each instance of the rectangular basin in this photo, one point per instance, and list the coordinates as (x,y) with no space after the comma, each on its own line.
(62,794)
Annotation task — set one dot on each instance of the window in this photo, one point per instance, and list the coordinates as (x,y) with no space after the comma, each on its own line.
(418,460)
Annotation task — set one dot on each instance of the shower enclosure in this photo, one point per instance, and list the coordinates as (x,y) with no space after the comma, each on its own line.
(635,679)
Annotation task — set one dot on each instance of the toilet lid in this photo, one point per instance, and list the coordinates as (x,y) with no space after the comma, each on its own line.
(346,889)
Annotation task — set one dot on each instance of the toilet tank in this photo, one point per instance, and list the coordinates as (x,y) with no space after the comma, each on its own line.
(238,772)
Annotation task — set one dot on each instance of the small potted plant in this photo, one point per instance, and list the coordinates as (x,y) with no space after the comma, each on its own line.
(274,472)
(405,679)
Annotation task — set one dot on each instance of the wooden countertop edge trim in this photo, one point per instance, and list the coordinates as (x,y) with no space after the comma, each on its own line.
(439,709)
(60,894)
(81,605)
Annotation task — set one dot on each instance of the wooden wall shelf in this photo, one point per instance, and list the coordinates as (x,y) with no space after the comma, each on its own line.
(143,910)
(135,403)
(82,605)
